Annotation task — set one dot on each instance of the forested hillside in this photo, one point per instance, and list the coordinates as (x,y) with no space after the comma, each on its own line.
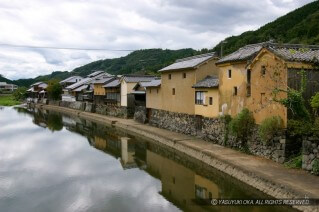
(299,27)
(147,60)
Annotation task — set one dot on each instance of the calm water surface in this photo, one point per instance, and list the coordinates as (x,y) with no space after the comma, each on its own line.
(54,162)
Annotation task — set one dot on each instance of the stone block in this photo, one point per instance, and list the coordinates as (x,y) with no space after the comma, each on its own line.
(283,141)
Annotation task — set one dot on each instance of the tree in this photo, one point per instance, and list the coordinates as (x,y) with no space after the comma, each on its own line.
(20,93)
(54,89)
(295,102)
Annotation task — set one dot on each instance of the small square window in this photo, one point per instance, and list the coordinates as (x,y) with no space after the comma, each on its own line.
(263,71)
(210,100)
(184,75)
(173,91)
(235,91)
(169,76)
(229,74)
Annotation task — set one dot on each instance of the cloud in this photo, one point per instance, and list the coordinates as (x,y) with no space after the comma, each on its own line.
(122,24)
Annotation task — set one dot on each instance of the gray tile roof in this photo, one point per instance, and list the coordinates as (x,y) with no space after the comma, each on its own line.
(71,79)
(102,80)
(153,83)
(80,88)
(289,52)
(294,52)
(247,52)
(113,84)
(95,73)
(78,84)
(38,83)
(189,62)
(137,78)
(207,82)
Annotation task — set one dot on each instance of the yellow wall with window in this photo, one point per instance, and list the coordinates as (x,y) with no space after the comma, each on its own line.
(184,99)
(263,83)
(206,109)
(229,103)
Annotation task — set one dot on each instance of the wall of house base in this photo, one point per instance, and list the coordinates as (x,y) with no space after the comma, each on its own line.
(214,130)
(114,110)
(310,153)
(140,114)
(109,110)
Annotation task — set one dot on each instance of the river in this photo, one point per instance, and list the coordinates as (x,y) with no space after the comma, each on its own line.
(55,162)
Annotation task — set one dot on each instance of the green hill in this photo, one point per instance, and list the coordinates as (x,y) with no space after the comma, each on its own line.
(146,60)
(141,61)
(3,79)
(300,26)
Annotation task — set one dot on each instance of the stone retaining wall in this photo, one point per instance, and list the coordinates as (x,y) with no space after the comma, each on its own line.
(310,154)
(114,110)
(177,122)
(109,110)
(140,114)
(214,130)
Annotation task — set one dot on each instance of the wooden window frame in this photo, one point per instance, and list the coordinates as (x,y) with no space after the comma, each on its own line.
(263,71)
(201,99)
(235,91)
(211,101)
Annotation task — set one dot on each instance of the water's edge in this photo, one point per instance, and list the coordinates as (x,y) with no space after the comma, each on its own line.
(267,185)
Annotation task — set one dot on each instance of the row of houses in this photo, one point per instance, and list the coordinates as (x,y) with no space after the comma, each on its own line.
(209,86)
(99,87)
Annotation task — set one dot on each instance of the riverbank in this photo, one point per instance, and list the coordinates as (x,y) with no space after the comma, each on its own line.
(8,100)
(263,174)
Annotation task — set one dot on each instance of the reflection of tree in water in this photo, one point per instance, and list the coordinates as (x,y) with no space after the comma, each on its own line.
(54,122)
(45,119)
(1,108)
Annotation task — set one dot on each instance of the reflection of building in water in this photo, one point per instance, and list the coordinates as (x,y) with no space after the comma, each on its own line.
(127,153)
(205,189)
(100,143)
(68,121)
(180,185)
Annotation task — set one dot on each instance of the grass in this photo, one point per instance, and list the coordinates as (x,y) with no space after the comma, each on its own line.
(8,100)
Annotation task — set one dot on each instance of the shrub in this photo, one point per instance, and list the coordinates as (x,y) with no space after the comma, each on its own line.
(316,127)
(299,127)
(226,119)
(314,102)
(269,127)
(294,163)
(242,125)
(315,167)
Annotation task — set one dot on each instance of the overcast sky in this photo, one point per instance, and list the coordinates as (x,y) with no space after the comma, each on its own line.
(120,24)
